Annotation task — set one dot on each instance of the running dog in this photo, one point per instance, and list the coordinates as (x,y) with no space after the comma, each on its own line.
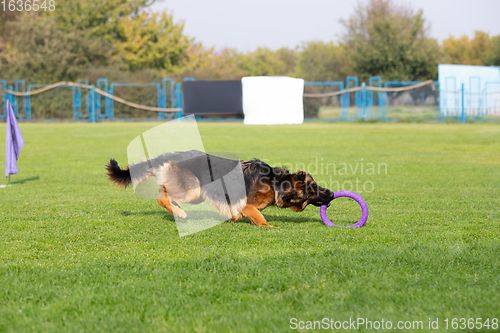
(188,177)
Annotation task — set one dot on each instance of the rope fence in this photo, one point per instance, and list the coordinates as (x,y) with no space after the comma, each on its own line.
(483,103)
(97,90)
(346,91)
(157,109)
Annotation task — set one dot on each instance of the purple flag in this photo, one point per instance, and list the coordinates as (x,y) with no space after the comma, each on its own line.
(13,142)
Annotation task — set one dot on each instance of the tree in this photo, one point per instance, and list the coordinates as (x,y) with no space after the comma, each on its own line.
(263,61)
(81,34)
(139,39)
(319,61)
(8,16)
(481,50)
(98,17)
(229,64)
(289,58)
(39,50)
(151,41)
(208,64)
(492,57)
(390,41)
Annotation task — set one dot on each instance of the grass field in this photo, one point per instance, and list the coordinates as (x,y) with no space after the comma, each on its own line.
(403,113)
(78,255)
(422,113)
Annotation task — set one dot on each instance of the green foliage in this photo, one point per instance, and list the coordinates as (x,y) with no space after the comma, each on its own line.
(289,58)
(100,17)
(6,17)
(40,51)
(63,44)
(319,61)
(151,41)
(492,57)
(229,64)
(390,41)
(264,62)
(212,65)
(481,50)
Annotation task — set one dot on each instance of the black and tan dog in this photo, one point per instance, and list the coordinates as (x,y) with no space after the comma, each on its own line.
(186,177)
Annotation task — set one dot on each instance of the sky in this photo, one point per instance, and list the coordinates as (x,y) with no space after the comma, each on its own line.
(246,25)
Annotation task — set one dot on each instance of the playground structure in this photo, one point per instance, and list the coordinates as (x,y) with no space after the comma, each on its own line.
(357,102)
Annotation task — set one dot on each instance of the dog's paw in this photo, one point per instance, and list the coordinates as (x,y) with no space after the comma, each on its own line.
(269,226)
(182,214)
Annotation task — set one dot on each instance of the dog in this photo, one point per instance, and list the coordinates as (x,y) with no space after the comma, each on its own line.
(187,177)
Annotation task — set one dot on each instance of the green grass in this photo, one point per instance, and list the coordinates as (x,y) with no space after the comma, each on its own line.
(403,113)
(78,255)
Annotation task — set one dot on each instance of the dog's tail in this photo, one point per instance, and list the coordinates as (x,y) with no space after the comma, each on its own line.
(117,175)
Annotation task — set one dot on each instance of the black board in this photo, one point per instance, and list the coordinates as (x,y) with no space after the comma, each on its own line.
(212,97)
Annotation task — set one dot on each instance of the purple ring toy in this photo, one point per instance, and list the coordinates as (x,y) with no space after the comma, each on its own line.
(352,195)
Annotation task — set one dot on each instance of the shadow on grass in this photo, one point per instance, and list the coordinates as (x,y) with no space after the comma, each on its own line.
(302,219)
(292,219)
(22,181)
(285,219)
(160,213)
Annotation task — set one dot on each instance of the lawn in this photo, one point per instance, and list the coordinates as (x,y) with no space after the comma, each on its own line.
(79,255)
(404,113)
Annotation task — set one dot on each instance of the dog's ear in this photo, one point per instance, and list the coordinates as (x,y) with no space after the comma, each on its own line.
(280,172)
(300,175)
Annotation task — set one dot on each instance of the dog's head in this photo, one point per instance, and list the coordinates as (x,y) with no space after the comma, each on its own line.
(298,190)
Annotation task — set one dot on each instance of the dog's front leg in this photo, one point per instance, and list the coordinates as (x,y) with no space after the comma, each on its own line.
(255,216)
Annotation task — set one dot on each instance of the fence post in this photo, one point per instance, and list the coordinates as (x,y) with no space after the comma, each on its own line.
(179,100)
(73,90)
(89,102)
(344,104)
(162,97)
(357,100)
(16,99)
(93,110)
(173,104)
(463,107)
(12,101)
(363,85)
(369,98)
(111,102)
(106,99)
(27,106)
(79,100)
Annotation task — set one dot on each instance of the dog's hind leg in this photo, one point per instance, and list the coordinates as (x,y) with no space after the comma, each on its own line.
(255,216)
(172,208)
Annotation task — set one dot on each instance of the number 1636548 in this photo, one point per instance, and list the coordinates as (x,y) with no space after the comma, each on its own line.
(28,5)
(472,323)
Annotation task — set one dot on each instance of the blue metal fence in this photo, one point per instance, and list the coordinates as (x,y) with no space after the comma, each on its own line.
(363,99)
(381,98)
(471,104)
(90,100)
